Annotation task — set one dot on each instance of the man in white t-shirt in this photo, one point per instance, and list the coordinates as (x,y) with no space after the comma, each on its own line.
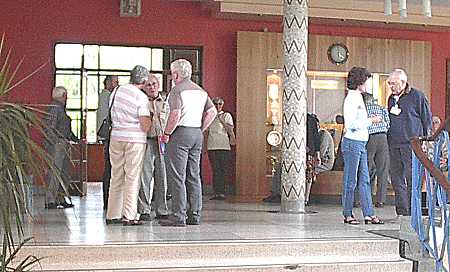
(191,113)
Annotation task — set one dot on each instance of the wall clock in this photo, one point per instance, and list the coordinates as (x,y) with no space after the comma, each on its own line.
(338,53)
(274,138)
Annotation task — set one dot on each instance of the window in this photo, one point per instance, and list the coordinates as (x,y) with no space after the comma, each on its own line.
(81,68)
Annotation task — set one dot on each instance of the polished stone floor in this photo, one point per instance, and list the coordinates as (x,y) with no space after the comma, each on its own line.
(85,224)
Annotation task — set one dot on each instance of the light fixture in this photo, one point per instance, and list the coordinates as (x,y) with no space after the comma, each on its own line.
(274,97)
(402,8)
(387,7)
(426,6)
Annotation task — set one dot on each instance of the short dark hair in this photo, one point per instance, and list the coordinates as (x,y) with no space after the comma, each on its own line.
(356,77)
(108,79)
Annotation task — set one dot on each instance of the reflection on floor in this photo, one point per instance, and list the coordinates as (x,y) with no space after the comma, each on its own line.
(85,224)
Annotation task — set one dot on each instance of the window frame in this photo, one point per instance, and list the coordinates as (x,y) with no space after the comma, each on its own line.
(169,54)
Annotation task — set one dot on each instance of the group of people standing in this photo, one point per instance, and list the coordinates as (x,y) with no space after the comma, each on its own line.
(368,128)
(153,141)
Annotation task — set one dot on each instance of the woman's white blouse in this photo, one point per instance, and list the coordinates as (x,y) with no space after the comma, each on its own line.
(355,117)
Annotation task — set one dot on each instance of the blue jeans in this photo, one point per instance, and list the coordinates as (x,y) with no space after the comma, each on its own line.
(356,172)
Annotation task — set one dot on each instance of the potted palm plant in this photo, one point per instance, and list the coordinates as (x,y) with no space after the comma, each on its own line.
(21,159)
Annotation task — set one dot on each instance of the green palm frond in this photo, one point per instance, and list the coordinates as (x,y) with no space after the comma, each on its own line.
(21,159)
(9,260)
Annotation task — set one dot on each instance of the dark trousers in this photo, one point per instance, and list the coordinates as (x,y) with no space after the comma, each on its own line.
(220,163)
(378,160)
(400,169)
(106,174)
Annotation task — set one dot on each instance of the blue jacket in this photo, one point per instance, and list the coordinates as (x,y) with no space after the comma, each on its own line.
(413,120)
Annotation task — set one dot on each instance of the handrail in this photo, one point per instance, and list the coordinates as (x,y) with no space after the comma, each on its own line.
(416,145)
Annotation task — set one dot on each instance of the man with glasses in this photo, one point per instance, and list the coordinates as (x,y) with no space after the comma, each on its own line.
(154,169)
(410,116)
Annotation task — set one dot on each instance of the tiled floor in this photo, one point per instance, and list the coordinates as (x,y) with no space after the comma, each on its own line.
(84,224)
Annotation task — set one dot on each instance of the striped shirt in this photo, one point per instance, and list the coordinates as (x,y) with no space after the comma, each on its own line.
(377,110)
(130,103)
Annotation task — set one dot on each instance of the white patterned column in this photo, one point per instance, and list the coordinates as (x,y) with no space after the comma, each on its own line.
(295,44)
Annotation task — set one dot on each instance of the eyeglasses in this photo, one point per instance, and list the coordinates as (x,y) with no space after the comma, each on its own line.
(218,103)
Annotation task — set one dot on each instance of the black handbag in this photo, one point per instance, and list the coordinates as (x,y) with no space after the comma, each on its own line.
(104,131)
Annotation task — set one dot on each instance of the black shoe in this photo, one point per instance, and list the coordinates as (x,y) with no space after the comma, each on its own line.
(66,205)
(218,197)
(145,217)
(51,206)
(374,220)
(307,203)
(267,199)
(379,205)
(114,221)
(273,199)
(127,222)
(162,216)
(172,221)
(193,221)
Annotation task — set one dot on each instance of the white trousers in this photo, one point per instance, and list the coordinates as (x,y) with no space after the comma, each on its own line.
(126,168)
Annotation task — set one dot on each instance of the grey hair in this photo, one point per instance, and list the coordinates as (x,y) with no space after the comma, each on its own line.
(400,73)
(183,67)
(139,75)
(59,92)
(108,79)
(217,100)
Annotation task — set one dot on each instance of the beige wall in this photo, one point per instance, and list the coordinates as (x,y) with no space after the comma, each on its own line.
(358,10)
(257,51)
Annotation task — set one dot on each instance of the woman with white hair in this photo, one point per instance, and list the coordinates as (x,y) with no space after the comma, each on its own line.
(131,120)
(219,148)
(58,133)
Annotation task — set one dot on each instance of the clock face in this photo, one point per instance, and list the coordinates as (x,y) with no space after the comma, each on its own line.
(274,138)
(338,53)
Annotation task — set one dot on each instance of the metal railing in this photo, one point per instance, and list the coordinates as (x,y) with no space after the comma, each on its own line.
(426,168)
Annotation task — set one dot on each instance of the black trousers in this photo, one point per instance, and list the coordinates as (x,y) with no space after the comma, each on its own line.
(400,169)
(106,174)
(221,166)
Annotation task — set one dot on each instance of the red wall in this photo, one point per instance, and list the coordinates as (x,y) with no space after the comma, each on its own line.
(32,28)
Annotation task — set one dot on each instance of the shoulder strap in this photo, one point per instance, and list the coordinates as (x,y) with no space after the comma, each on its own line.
(112,102)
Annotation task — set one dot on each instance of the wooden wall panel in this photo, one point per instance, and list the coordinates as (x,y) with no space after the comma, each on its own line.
(258,51)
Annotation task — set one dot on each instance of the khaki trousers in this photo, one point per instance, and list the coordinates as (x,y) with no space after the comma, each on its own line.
(126,168)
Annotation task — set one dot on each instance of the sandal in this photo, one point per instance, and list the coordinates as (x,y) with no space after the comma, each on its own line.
(373,220)
(127,222)
(350,220)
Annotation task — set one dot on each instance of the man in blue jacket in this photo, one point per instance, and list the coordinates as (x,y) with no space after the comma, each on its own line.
(410,116)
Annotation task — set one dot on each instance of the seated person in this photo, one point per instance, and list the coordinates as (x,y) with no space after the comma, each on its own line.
(326,152)
(324,164)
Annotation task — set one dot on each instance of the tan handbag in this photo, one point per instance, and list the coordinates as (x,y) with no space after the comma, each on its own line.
(229,130)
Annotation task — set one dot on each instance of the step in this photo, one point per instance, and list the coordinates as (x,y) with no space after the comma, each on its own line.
(272,255)
(399,266)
